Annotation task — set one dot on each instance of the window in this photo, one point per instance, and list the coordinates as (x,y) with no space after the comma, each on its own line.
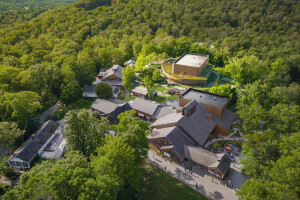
(18,164)
(12,163)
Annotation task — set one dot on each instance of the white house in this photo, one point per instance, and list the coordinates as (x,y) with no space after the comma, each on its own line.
(24,156)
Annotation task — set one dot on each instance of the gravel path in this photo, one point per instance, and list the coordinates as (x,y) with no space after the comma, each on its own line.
(212,83)
(49,111)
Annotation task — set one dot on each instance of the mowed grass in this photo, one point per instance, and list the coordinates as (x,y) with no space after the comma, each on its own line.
(158,185)
(163,99)
(125,96)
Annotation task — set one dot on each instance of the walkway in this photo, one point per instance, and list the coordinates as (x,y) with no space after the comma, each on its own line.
(206,185)
(44,116)
(212,83)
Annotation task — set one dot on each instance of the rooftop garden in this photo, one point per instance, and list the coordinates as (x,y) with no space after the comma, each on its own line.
(168,69)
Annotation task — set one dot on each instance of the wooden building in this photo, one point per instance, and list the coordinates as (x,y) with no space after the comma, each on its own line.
(190,64)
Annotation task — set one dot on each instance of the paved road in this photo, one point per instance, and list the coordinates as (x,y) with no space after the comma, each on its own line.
(213,190)
(49,111)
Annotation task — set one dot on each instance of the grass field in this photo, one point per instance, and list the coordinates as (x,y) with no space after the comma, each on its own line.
(160,186)
(125,96)
(163,99)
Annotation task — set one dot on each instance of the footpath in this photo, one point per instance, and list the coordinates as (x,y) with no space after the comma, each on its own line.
(206,185)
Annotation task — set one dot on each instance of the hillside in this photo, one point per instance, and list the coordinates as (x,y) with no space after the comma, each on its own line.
(8,5)
(48,55)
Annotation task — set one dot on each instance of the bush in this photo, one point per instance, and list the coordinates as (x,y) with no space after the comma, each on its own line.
(215,147)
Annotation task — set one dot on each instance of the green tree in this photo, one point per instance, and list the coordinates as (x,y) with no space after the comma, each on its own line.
(128,74)
(60,179)
(70,89)
(259,150)
(9,132)
(20,106)
(149,85)
(104,90)
(224,90)
(284,119)
(156,75)
(83,131)
(281,178)
(245,70)
(133,131)
(118,154)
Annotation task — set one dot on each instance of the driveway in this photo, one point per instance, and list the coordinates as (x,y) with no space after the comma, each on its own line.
(206,185)
(44,116)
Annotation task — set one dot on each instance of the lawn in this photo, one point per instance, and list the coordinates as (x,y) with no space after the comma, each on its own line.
(160,89)
(83,103)
(163,99)
(212,78)
(125,96)
(160,186)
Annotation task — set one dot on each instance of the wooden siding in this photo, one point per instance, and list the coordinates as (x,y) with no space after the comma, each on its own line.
(219,130)
(183,102)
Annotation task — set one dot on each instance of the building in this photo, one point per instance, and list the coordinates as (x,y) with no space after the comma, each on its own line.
(113,76)
(216,165)
(190,64)
(130,62)
(56,147)
(110,108)
(90,90)
(142,92)
(25,155)
(212,107)
(150,110)
(177,90)
(170,141)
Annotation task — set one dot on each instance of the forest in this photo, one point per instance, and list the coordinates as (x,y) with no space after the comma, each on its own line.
(48,55)
(7,5)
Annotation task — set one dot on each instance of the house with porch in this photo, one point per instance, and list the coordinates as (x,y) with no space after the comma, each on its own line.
(34,146)
(215,164)
(142,92)
(150,110)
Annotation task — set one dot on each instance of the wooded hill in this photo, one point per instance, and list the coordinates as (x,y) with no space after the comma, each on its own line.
(257,42)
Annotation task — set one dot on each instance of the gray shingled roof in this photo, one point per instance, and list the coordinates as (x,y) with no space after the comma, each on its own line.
(175,136)
(197,126)
(224,164)
(145,106)
(205,97)
(168,119)
(104,106)
(162,111)
(226,119)
(89,88)
(30,147)
(121,108)
(111,71)
(129,62)
(112,82)
(199,155)
(140,90)
(191,104)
